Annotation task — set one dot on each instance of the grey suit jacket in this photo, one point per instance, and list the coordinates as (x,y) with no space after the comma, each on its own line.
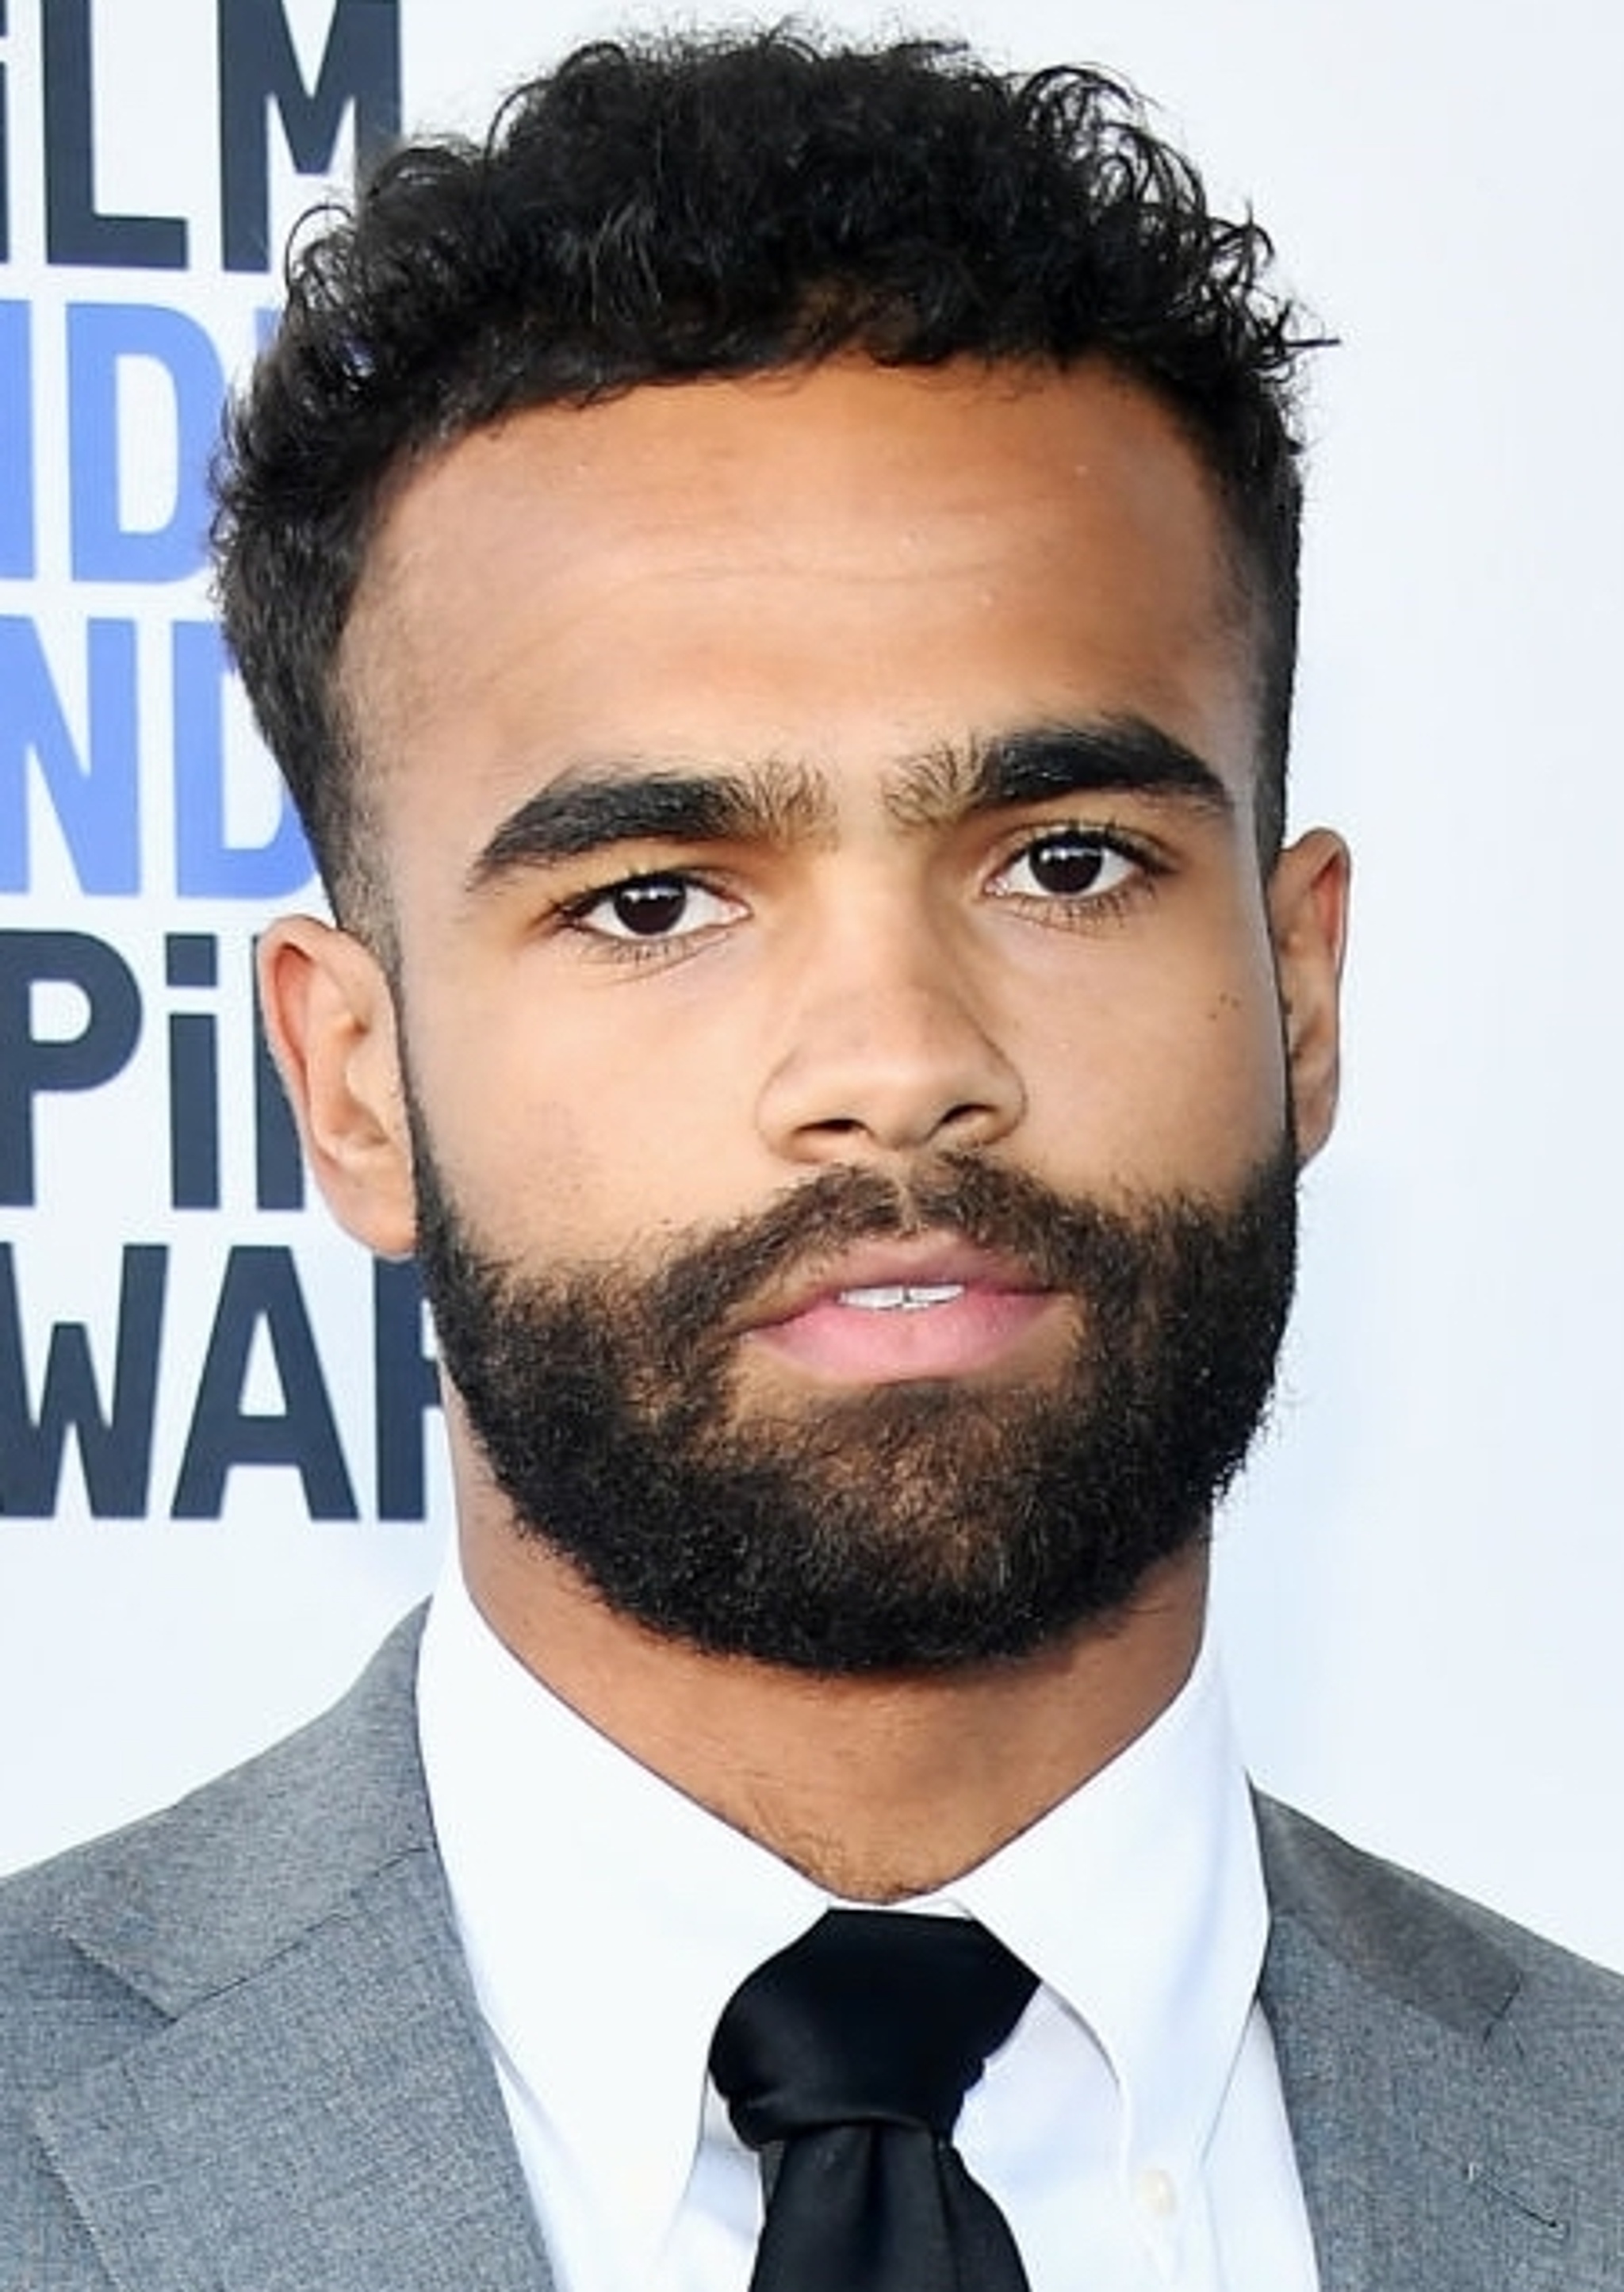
(238,2053)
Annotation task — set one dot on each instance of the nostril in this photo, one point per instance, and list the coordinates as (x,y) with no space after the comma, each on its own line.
(973,1117)
(915,1066)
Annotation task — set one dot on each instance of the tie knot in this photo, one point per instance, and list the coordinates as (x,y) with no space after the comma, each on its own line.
(874,2016)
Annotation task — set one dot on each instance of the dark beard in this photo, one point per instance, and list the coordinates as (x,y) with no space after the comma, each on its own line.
(911,1527)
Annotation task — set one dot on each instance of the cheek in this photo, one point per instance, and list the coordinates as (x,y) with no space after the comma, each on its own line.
(518,1161)
(1243,1068)
(569,1143)
(507,1140)
(1227,1081)
(1178,1082)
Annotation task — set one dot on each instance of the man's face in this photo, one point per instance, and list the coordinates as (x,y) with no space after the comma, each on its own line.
(797,797)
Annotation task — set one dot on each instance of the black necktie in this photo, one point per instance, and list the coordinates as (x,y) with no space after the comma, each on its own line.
(853,2049)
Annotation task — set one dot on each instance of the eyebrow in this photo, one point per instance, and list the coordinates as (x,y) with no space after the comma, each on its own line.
(1123,755)
(586,810)
(590,808)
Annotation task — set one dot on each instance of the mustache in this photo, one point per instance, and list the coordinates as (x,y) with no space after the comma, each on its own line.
(1065,1242)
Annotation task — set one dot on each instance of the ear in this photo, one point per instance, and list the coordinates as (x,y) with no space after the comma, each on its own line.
(330,1019)
(1307,901)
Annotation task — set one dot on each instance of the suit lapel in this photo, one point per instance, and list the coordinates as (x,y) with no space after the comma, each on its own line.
(273,2139)
(313,2109)
(1427,2165)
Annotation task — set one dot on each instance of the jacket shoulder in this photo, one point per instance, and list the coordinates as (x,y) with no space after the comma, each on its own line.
(1559,2016)
(100,1942)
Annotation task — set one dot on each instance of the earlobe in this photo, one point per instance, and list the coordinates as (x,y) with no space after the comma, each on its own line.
(1308,901)
(330,1019)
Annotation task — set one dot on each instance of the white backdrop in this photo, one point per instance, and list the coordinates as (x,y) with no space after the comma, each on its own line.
(1422,1583)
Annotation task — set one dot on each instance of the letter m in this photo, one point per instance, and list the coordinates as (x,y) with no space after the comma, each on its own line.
(115,1443)
(259,66)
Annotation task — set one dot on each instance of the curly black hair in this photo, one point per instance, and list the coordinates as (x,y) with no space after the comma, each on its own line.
(723,205)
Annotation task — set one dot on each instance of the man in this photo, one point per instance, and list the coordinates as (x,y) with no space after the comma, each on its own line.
(773,585)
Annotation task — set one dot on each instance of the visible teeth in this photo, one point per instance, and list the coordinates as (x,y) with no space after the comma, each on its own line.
(902,1296)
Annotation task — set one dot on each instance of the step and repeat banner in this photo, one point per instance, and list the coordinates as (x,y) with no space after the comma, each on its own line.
(214,1418)
(220,1473)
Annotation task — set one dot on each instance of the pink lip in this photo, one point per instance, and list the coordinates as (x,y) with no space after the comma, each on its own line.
(999,1302)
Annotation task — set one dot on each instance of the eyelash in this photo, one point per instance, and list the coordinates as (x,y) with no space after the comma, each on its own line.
(575,914)
(1108,842)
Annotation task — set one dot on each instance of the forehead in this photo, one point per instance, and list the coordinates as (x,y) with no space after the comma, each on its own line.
(852,562)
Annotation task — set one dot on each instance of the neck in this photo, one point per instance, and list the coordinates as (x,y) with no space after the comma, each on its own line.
(875,1788)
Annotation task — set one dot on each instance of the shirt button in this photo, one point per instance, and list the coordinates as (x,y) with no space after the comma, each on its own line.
(1157,2192)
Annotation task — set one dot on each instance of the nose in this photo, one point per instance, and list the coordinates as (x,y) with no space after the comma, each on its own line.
(885,1052)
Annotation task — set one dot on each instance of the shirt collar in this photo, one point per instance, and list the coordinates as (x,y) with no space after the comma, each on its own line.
(1139,1903)
(607,1917)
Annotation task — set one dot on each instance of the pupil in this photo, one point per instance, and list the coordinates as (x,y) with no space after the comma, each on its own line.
(1067,869)
(652,908)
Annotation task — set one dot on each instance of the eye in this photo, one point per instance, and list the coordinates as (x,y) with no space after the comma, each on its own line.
(1067,864)
(652,908)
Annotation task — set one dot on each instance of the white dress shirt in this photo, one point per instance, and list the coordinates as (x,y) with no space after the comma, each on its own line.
(1132,2127)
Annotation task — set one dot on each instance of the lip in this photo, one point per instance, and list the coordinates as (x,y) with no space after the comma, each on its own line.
(922,1261)
(985,1327)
